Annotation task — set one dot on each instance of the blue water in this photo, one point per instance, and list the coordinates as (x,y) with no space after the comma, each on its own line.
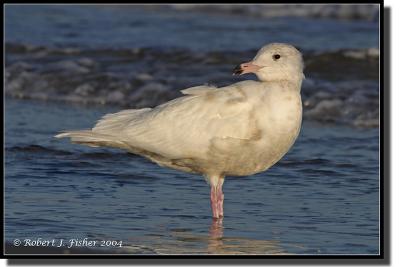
(130,26)
(322,198)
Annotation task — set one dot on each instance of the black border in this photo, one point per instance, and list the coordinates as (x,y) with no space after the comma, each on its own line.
(382,258)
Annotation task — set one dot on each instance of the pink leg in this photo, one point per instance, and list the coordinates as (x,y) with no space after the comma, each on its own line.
(220,201)
(214,201)
(217,197)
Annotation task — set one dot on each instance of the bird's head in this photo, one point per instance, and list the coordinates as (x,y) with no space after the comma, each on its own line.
(274,62)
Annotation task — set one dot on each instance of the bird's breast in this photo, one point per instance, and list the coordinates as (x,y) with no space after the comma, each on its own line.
(281,112)
(279,123)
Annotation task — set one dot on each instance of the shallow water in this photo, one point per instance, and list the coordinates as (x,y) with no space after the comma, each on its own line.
(321,198)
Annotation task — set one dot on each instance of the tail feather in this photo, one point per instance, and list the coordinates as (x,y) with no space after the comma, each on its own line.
(107,131)
(93,139)
(113,122)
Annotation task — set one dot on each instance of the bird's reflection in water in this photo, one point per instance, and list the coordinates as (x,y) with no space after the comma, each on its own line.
(218,244)
(185,241)
(215,238)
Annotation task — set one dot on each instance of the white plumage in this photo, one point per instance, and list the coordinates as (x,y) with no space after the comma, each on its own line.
(235,130)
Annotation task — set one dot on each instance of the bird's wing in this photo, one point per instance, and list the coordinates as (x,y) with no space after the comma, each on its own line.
(198,90)
(189,125)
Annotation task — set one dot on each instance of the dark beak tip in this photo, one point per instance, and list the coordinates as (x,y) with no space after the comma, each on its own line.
(237,70)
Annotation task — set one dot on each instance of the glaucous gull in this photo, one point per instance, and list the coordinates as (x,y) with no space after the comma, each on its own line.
(237,130)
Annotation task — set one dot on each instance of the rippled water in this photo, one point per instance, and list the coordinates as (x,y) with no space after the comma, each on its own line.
(131,26)
(137,57)
(322,198)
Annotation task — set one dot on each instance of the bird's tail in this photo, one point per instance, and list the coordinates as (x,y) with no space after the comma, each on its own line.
(93,139)
(107,131)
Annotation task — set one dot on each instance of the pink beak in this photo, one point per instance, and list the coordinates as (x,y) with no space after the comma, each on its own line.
(247,67)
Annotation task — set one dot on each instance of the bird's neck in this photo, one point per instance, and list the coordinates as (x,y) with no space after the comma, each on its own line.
(295,81)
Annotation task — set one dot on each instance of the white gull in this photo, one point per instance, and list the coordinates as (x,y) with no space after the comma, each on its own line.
(237,130)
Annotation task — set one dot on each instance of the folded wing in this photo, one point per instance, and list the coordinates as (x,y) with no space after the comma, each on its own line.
(186,126)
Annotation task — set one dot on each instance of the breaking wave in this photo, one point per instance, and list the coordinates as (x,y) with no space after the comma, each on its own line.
(342,86)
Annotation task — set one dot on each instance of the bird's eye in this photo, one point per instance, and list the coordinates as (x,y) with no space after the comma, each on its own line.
(276,56)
